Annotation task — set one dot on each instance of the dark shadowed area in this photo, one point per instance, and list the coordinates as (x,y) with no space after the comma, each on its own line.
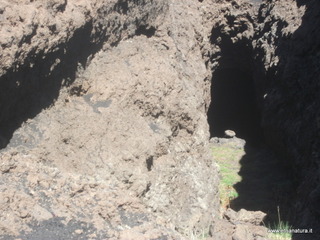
(233,105)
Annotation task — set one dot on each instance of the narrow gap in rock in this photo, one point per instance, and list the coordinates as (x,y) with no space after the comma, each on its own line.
(149,163)
(253,177)
(233,105)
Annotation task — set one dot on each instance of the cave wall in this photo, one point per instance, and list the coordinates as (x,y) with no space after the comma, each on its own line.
(287,69)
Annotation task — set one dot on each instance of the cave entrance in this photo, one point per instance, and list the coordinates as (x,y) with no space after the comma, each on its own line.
(233,105)
(252,176)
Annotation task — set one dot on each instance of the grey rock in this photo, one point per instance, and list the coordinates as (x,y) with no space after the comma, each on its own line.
(229,133)
(242,233)
(253,217)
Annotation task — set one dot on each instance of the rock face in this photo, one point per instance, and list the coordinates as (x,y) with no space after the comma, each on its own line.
(123,141)
(44,43)
(244,225)
(287,62)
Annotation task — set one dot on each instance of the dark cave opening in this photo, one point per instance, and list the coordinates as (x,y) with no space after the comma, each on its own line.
(237,104)
(233,105)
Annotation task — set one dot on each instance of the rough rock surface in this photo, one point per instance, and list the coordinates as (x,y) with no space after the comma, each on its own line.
(242,225)
(43,44)
(122,152)
(287,63)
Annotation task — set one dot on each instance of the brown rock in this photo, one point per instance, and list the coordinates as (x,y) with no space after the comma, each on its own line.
(244,216)
(242,233)
(253,217)
(132,123)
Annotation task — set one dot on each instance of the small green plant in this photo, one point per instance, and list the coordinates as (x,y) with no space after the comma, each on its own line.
(227,191)
(228,160)
(280,230)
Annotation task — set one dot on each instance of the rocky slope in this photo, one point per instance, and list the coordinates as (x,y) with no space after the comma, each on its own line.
(118,147)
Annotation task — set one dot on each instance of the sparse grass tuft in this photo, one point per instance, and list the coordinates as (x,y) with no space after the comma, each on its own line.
(228,160)
(280,230)
(227,191)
